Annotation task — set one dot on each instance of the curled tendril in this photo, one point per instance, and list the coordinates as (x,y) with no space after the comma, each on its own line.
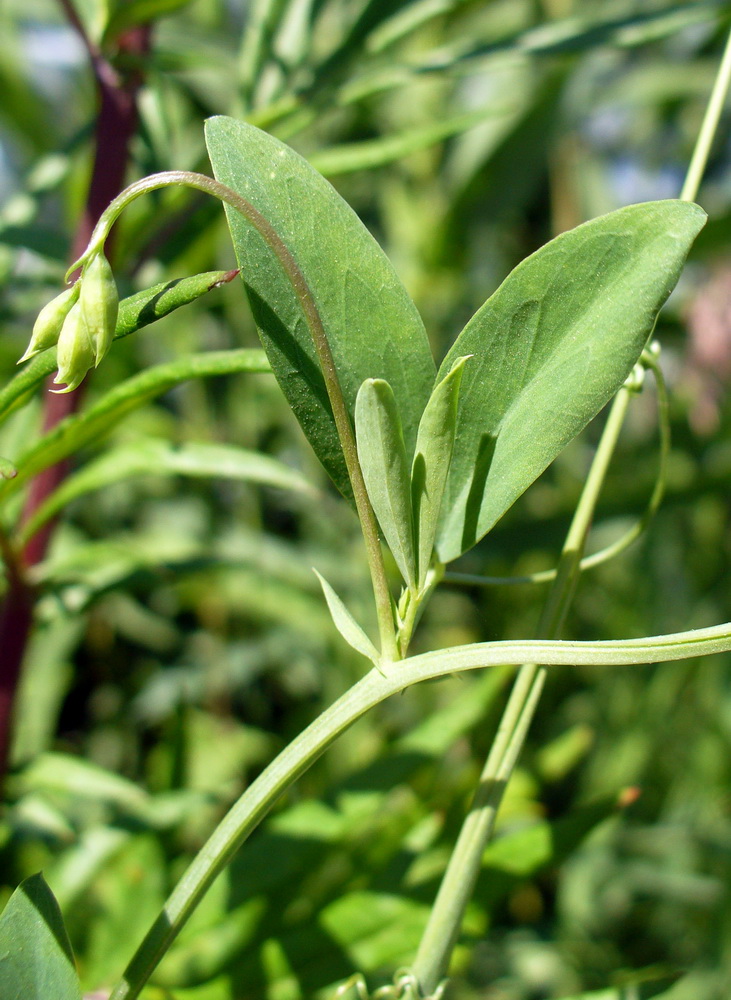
(404,985)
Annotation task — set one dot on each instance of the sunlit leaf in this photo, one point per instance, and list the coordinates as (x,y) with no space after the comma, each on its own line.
(346,625)
(434,445)
(36,961)
(551,347)
(75,778)
(372,326)
(385,467)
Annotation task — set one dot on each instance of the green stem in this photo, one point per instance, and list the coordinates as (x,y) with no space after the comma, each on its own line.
(703,144)
(568,572)
(446,916)
(457,886)
(415,602)
(375,687)
(372,689)
(369,526)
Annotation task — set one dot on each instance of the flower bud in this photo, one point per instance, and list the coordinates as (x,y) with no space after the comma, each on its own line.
(47,327)
(75,352)
(99,304)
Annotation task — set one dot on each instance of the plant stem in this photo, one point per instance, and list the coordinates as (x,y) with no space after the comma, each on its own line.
(115,126)
(445,919)
(369,526)
(415,602)
(375,687)
(457,886)
(372,689)
(702,149)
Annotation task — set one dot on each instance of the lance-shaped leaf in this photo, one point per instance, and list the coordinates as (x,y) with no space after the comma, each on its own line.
(372,326)
(154,457)
(382,456)
(551,346)
(135,312)
(346,625)
(434,444)
(36,962)
(80,429)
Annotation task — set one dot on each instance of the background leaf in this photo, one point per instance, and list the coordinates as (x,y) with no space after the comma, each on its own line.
(551,347)
(372,325)
(154,457)
(367,155)
(174,613)
(80,429)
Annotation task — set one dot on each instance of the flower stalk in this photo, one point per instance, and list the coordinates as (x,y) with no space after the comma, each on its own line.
(86,342)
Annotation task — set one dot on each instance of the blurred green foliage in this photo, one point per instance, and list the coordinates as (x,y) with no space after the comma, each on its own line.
(181,636)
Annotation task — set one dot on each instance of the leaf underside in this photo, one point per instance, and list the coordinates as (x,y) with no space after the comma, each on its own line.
(551,347)
(434,448)
(386,470)
(346,625)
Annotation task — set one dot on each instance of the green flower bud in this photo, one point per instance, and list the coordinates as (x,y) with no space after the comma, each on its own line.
(47,327)
(99,304)
(75,351)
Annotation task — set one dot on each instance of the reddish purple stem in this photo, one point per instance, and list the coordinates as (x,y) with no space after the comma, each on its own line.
(115,126)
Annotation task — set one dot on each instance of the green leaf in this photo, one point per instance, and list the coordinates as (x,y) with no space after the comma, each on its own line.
(132,13)
(446,724)
(7,469)
(610,994)
(135,312)
(526,851)
(21,111)
(153,456)
(373,327)
(576,34)
(371,16)
(77,779)
(44,683)
(434,445)
(143,308)
(128,892)
(375,929)
(367,155)
(36,961)
(643,984)
(551,346)
(264,19)
(346,625)
(382,456)
(78,430)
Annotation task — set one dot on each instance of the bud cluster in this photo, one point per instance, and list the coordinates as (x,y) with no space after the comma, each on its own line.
(80,321)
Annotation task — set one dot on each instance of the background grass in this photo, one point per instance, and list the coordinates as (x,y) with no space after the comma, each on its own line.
(181,636)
